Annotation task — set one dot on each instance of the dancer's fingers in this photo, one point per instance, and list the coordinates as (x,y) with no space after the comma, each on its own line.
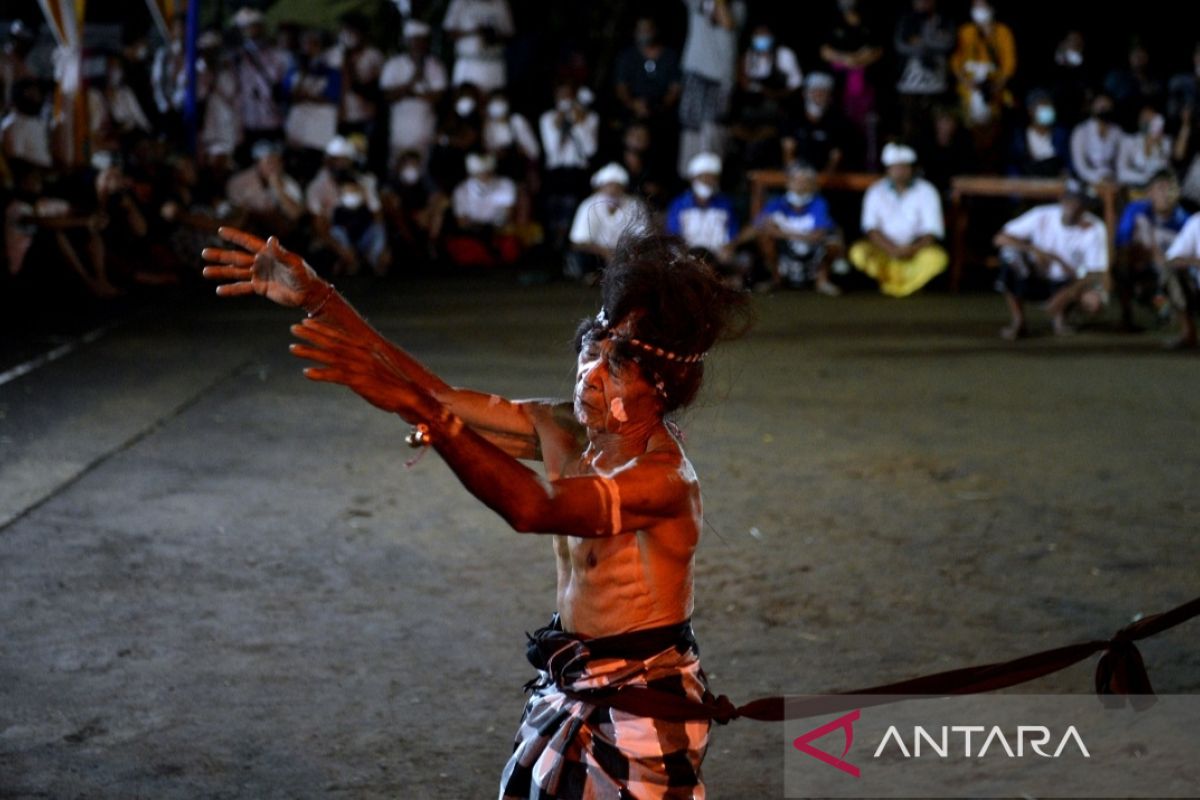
(235,289)
(313,354)
(221,256)
(246,240)
(223,273)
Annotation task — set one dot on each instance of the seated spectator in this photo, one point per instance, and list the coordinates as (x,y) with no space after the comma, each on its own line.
(1096,143)
(647,179)
(413,208)
(14,60)
(270,197)
(1183,281)
(797,235)
(819,135)
(356,225)
(924,40)
(949,151)
(315,91)
(1183,90)
(324,195)
(1042,148)
(984,64)
(412,83)
(509,137)
(853,52)
(483,208)
(114,112)
(459,133)
(702,216)
(361,64)
(570,134)
(767,80)
(600,221)
(24,130)
(1056,253)
(648,84)
(1146,232)
(902,221)
(1071,79)
(1134,86)
(1145,153)
(479,29)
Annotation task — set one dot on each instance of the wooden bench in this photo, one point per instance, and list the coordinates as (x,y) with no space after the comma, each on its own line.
(1045,189)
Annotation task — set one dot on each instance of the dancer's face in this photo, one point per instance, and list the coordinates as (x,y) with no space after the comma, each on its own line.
(611,393)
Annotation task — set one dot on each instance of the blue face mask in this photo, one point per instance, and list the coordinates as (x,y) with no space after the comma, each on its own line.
(799,200)
(1044,116)
(762,43)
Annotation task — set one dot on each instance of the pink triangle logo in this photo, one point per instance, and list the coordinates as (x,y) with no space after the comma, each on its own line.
(844,723)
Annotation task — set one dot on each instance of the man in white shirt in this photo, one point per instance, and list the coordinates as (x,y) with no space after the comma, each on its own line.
(600,221)
(902,220)
(483,207)
(413,82)
(265,191)
(479,28)
(260,68)
(1057,253)
(1096,143)
(570,135)
(1183,281)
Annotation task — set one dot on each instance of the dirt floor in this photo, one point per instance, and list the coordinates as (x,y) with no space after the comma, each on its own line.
(220,580)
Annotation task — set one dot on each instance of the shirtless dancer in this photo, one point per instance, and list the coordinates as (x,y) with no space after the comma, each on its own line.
(620,500)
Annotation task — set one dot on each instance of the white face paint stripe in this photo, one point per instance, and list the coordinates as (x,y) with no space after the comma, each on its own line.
(614,499)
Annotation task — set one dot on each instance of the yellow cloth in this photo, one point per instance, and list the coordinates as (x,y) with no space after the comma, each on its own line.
(998,48)
(899,278)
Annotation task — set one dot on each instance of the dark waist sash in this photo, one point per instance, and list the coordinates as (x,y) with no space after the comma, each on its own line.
(565,655)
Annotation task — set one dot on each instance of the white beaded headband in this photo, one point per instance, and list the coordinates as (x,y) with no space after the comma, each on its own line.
(602,320)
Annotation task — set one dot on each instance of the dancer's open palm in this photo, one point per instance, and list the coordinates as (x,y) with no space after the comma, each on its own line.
(264,268)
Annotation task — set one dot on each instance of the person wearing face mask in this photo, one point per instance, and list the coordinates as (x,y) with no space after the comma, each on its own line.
(1096,143)
(1134,86)
(259,69)
(114,112)
(570,136)
(1145,234)
(600,221)
(460,131)
(482,210)
(356,229)
(797,236)
(412,82)
(768,77)
(361,64)
(702,216)
(983,65)
(1071,79)
(646,177)
(819,135)
(1145,153)
(412,209)
(509,137)
(852,52)
(902,220)
(265,191)
(479,29)
(1041,149)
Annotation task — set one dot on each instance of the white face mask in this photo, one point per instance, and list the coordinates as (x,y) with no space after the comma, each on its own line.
(352,200)
(410,174)
(702,190)
(463,106)
(814,109)
(982,15)
(564,105)
(348,40)
(1072,58)
(797,199)
(498,108)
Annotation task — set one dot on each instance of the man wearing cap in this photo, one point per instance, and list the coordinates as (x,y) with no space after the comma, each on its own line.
(1056,253)
(600,221)
(260,70)
(702,216)
(797,234)
(413,82)
(483,207)
(818,136)
(902,220)
(1145,233)
(265,191)
(1183,281)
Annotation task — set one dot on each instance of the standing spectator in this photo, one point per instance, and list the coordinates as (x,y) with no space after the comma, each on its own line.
(1146,153)
(902,220)
(600,222)
(114,112)
(852,51)
(1096,143)
(314,88)
(648,85)
(703,217)
(460,133)
(1183,285)
(819,136)
(479,28)
(221,129)
(1183,90)
(168,77)
(709,58)
(1145,234)
(24,130)
(984,64)
(266,193)
(647,178)
(924,40)
(949,151)
(569,140)
(413,82)
(1041,149)
(1071,78)
(260,68)
(509,137)
(768,77)
(1134,86)
(483,207)
(361,64)
(797,235)
(1056,253)
(14,61)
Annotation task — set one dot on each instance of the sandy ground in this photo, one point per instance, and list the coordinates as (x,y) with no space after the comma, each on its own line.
(220,580)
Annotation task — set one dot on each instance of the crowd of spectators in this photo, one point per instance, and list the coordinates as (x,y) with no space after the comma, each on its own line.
(373,157)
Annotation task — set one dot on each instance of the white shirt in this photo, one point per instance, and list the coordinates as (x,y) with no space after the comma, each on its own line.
(414,121)
(601,219)
(1135,167)
(1094,154)
(248,190)
(758,66)
(365,68)
(903,218)
(573,148)
(311,124)
(1187,243)
(501,133)
(485,203)
(27,138)
(322,195)
(475,61)
(1084,246)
